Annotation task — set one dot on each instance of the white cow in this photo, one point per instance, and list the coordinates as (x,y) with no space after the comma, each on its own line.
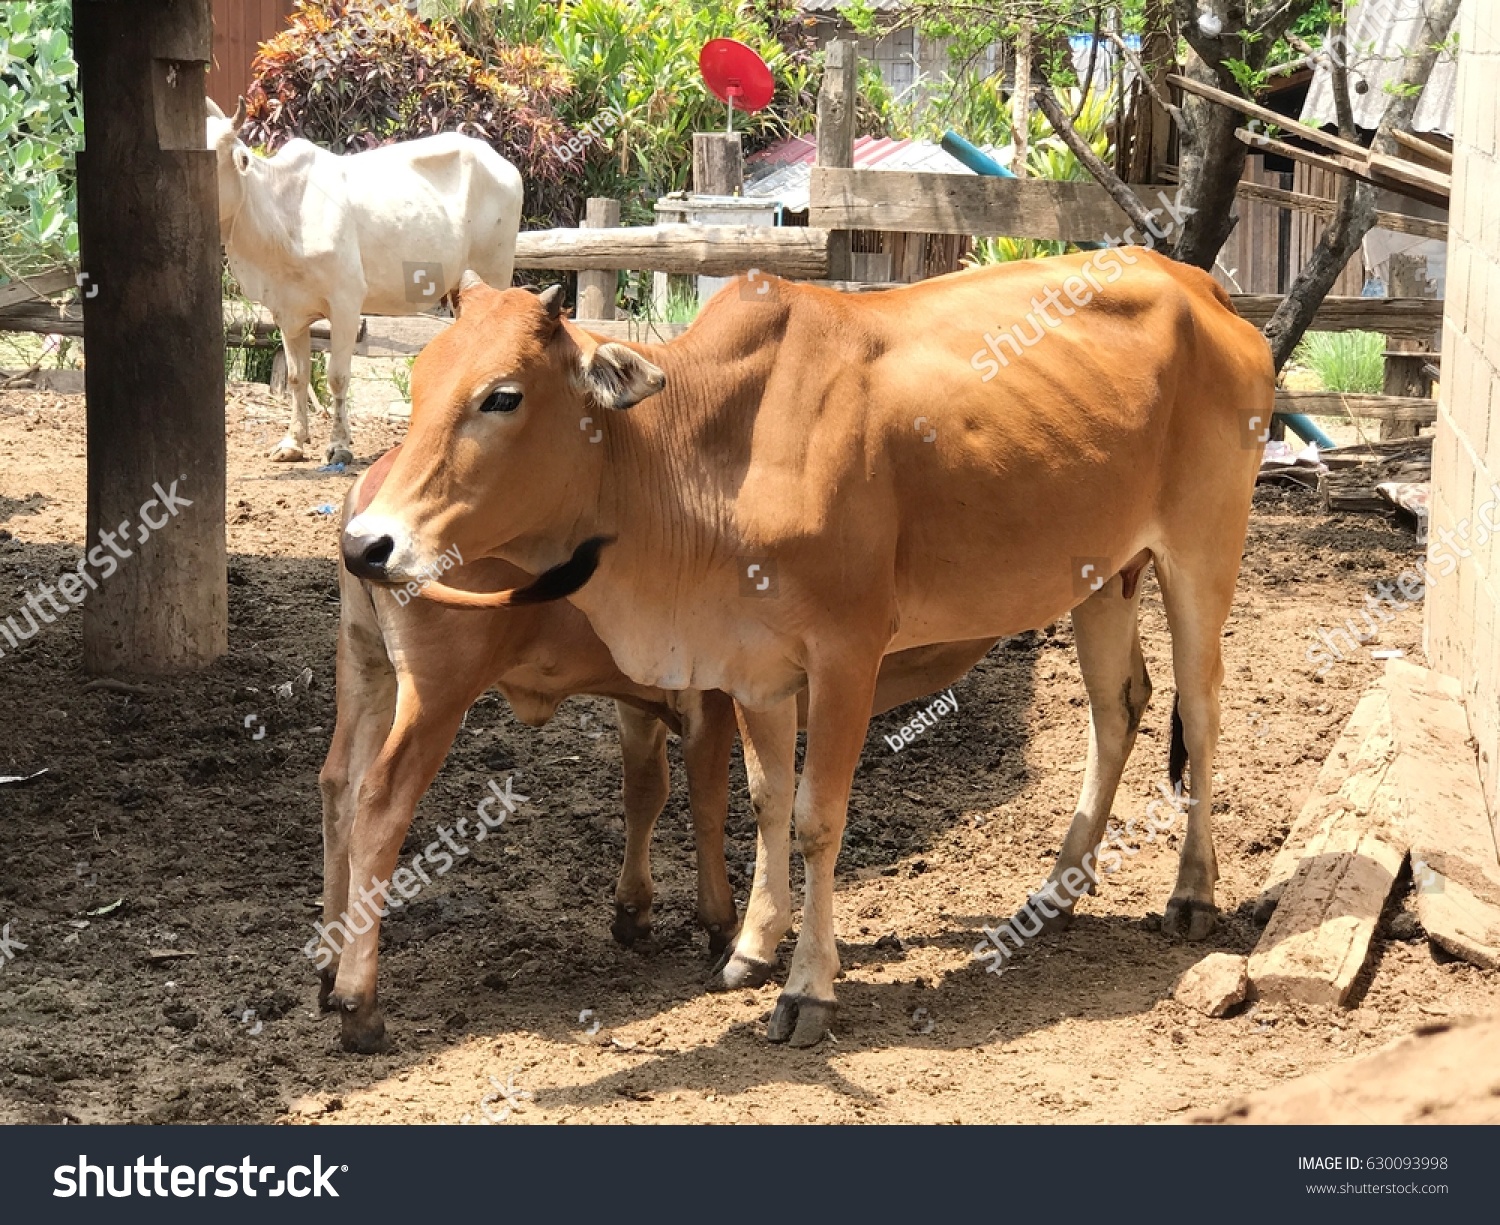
(387,232)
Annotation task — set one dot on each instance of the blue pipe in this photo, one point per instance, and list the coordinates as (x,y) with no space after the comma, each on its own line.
(1302,425)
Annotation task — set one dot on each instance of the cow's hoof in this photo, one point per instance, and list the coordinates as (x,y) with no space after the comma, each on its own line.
(631,923)
(326,979)
(735,970)
(1027,918)
(720,937)
(1189,918)
(800,1020)
(363,1027)
(337,453)
(287,451)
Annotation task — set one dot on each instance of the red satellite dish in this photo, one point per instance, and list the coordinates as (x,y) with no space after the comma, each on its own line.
(735,74)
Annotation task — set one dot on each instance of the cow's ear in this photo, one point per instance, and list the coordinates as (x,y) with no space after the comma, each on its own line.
(617,377)
(242,158)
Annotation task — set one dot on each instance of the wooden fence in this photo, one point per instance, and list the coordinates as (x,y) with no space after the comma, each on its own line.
(240,26)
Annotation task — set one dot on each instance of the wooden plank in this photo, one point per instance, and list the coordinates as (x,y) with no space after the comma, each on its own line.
(1318,938)
(799,252)
(404,336)
(1404,178)
(1455,870)
(36,288)
(1414,317)
(1425,148)
(1327,795)
(1245,106)
(931,203)
(1416,410)
(1323,208)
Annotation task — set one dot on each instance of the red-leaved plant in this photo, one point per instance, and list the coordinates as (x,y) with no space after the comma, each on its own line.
(353,74)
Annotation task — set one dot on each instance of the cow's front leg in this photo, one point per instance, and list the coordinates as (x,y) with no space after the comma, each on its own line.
(366,704)
(770,745)
(388,795)
(838,715)
(643,752)
(343,333)
(298,345)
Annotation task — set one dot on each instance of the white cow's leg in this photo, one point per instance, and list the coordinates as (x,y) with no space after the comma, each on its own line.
(343,333)
(1114,673)
(838,715)
(643,750)
(1197,594)
(366,705)
(420,737)
(298,346)
(707,743)
(770,747)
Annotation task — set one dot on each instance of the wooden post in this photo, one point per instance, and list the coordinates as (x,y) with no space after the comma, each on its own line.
(837,100)
(1403,375)
(153,327)
(718,164)
(596,290)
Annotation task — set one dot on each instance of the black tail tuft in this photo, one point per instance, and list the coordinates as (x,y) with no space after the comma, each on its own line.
(563,580)
(1177,756)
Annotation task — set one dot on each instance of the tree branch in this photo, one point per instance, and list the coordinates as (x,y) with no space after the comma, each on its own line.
(1049,105)
(1144,77)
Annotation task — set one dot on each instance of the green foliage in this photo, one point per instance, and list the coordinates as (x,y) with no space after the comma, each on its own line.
(1350,362)
(356,74)
(42,119)
(636,95)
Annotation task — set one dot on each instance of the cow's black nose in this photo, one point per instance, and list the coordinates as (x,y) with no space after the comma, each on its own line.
(366,556)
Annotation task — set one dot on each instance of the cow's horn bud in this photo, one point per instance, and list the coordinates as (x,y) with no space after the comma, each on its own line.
(551,299)
(238,121)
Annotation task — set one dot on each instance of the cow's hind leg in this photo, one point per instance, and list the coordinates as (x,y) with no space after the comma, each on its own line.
(343,334)
(643,751)
(707,743)
(1197,592)
(770,746)
(1114,674)
(298,345)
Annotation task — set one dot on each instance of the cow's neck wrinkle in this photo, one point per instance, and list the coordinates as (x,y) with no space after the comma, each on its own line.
(666,488)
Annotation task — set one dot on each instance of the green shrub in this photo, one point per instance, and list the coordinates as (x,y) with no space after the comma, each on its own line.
(42,119)
(1351,362)
(351,76)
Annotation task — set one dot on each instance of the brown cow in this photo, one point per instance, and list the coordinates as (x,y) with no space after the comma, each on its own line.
(847,445)
(408,670)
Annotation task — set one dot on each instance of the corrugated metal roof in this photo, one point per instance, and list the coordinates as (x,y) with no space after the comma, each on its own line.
(783,171)
(1381,34)
(833,6)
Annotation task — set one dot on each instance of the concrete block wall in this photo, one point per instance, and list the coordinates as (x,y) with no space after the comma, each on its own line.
(1463,600)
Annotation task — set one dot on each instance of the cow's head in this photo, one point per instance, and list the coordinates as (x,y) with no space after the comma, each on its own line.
(507,443)
(234,161)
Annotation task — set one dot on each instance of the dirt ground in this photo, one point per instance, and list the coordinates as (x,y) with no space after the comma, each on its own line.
(166,821)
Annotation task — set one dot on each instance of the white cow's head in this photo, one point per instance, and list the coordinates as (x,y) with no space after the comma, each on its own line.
(234,161)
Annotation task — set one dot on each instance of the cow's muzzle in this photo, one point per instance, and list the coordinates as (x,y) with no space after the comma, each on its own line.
(367,556)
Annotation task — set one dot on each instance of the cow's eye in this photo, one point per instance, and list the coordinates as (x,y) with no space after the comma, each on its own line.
(501,401)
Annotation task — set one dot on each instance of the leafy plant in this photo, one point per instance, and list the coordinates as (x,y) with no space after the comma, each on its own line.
(357,74)
(42,118)
(1350,362)
(636,89)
